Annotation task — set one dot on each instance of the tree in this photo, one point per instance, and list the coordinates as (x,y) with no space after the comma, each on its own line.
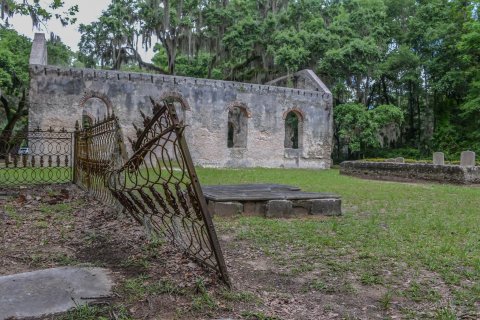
(37,11)
(358,128)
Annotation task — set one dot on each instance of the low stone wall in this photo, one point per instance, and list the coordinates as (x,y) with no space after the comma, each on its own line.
(411,172)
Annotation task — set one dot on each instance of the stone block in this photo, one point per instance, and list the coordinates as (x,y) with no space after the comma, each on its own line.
(467,159)
(225,209)
(438,158)
(279,209)
(302,207)
(254,208)
(327,207)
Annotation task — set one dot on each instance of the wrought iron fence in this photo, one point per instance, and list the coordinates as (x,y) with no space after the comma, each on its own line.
(98,149)
(159,187)
(36,157)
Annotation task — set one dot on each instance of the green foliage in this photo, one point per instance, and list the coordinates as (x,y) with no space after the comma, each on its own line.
(40,12)
(358,128)
(421,56)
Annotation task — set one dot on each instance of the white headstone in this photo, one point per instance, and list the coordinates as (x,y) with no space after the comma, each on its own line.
(467,159)
(438,158)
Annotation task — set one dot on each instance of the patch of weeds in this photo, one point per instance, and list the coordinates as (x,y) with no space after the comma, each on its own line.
(12,214)
(138,288)
(203,302)
(166,286)
(140,263)
(418,292)
(328,308)
(93,237)
(153,245)
(320,286)
(135,288)
(42,224)
(369,278)
(445,313)
(35,259)
(64,259)
(330,288)
(56,208)
(302,268)
(238,296)
(252,315)
(386,300)
(86,312)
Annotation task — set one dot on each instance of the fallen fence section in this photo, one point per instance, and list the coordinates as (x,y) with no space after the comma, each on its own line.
(159,187)
(36,157)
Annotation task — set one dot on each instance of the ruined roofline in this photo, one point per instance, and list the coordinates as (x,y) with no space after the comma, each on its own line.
(92,74)
(308,73)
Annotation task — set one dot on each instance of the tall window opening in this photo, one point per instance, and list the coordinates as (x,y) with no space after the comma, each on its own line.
(293,130)
(237,128)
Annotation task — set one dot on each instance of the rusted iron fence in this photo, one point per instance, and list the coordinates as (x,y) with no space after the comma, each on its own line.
(159,187)
(36,157)
(98,149)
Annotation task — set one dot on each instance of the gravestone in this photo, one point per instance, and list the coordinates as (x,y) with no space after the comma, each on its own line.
(467,159)
(400,160)
(438,158)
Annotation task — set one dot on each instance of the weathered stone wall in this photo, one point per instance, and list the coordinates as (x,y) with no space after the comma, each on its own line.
(58,97)
(411,172)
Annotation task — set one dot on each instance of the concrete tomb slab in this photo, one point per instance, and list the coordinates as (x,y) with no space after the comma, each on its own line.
(269,200)
(50,291)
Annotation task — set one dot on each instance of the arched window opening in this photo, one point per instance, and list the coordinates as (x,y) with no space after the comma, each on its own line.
(231,130)
(87,120)
(293,127)
(95,109)
(237,128)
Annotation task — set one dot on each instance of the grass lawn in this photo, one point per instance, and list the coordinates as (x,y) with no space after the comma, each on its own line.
(419,242)
(399,251)
(27,175)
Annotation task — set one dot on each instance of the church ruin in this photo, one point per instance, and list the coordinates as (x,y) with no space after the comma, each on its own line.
(229,124)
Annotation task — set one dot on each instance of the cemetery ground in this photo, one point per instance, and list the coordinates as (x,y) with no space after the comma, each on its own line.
(400,251)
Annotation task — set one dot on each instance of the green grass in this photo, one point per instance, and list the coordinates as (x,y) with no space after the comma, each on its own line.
(397,226)
(27,175)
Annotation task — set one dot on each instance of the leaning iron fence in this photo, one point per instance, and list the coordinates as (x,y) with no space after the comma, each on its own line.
(36,157)
(98,149)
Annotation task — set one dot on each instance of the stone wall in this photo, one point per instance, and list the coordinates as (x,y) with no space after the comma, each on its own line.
(411,172)
(58,97)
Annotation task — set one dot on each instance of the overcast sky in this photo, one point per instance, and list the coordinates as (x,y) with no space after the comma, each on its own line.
(88,11)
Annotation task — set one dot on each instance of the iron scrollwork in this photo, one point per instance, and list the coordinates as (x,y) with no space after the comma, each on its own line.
(158,186)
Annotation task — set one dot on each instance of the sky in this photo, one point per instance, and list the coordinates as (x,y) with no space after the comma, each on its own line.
(88,12)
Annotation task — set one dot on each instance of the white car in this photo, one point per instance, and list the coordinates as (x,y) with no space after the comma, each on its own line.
(23,150)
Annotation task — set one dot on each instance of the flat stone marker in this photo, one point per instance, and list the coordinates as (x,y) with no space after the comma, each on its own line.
(467,159)
(269,200)
(438,158)
(50,291)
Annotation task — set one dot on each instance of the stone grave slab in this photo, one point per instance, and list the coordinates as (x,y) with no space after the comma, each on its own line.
(269,200)
(50,291)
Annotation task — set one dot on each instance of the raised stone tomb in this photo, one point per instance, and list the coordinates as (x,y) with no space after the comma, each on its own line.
(269,200)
